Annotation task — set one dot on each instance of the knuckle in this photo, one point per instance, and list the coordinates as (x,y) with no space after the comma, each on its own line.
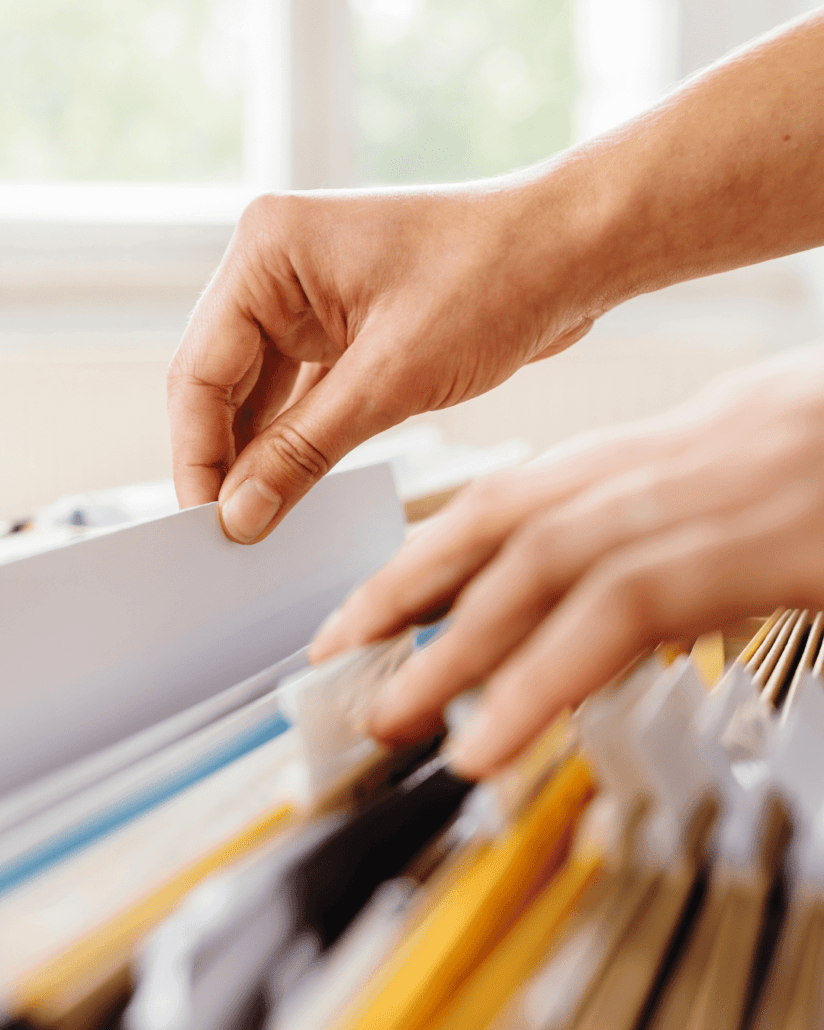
(633,594)
(178,372)
(636,500)
(259,210)
(535,539)
(291,455)
(534,550)
(481,510)
(485,496)
(265,218)
(173,379)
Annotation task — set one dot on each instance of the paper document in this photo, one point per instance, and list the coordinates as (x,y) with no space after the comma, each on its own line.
(105,637)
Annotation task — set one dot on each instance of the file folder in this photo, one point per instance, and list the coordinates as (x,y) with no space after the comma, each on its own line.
(106,637)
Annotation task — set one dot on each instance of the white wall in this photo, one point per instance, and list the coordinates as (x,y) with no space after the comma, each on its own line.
(708,29)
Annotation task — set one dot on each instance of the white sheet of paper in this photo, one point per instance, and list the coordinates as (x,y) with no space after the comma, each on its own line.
(107,636)
(69,781)
(139,787)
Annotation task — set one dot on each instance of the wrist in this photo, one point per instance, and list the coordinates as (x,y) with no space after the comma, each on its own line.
(562,225)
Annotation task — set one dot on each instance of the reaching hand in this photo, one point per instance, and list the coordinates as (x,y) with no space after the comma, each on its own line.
(558,574)
(333,317)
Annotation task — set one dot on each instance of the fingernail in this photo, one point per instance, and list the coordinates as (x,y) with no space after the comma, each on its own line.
(318,646)
(249,510)
(477,738)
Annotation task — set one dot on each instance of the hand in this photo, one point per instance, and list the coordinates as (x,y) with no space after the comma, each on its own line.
(560,573)
(333,317)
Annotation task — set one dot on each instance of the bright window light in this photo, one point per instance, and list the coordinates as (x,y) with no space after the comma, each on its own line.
(457,89)
(141,110)
(124,90)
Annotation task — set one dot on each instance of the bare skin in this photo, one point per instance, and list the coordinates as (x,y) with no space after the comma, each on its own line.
(334,316)
(558,574)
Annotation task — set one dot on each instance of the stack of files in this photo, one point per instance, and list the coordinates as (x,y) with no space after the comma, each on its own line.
(197,834)
(721,930)
(142,737)
(655,861)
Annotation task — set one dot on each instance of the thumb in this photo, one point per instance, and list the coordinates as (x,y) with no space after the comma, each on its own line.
(300,446)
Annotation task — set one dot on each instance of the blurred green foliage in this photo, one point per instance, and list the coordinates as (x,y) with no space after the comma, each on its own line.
(152,89)
(456,89)
(120,89)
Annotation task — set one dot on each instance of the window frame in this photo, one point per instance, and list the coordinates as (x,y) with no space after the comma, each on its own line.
(92,243)
(299,134)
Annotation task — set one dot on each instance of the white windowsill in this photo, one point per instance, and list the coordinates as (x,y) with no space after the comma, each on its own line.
(123,203)
(96,254)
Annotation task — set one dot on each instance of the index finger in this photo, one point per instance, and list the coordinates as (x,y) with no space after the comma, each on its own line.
(217,350)
(433,567)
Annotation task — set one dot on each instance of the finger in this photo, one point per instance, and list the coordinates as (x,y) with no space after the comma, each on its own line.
(542,560)
(668,475)
(310,374)
(506,600)
(690,579)
(199,396)
(282,383)
(350,404)
(282,378)
(276,376)
(426,574)
(213,369)
(435,564)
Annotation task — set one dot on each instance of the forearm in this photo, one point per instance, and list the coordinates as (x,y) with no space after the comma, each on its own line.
(726,171)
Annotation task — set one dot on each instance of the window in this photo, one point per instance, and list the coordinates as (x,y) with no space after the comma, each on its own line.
(177,112)
(455,89)
(133,132)
(129,90)
(178,106)
(254,94)
(169,115)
